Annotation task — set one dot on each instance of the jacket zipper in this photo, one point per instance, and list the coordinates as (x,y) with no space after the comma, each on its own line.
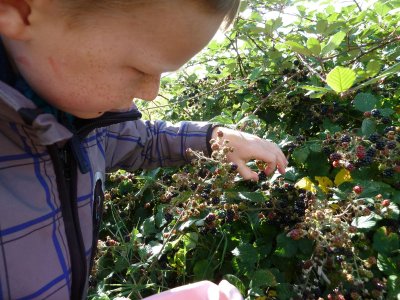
(66,175)
(66,167)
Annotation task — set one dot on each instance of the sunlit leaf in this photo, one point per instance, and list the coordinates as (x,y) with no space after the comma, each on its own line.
(343,176)
(340,79)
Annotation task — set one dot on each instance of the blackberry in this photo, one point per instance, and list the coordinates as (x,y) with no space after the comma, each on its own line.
(375,113)
(374,137)
(371,152)
(234,167)
(193,186)
(386,120)
(269,204)
(327,151)
(391,145)
(345,139)
(210,218)
(229,215)
(127,238)
(398,138)
(389,172)
(389,128)
(366,161)
(222,214)
(215,200)
(335,156)
(205,196)
(296,62)
(380,145)
(168,217)
(262,176)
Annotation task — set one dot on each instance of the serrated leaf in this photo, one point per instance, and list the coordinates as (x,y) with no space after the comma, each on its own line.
(314,46)
(340,79)
(306,184)
(386,265)
(315,88)
(386,112)
(364,222)
(262,278)
(286,247)
(334,42)
(324,183)
(300,154)
(322,25)
(255,74)
(202,270)
(365,102)
(315,147)
(236,282)
(331,127)
(296,47)
(343,176)
(373,68)
(385,242)
(368,127)
(252,196)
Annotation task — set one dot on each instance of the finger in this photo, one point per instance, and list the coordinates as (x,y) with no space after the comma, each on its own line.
(229,291)
(246,172)
(270,168)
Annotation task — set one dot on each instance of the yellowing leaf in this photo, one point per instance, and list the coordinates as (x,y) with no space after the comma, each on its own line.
(324,183)
(342,176)
(306,184)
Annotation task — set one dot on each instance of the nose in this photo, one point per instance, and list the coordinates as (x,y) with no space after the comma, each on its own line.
(148,88)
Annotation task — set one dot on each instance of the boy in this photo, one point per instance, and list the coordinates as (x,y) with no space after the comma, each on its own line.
(69,72)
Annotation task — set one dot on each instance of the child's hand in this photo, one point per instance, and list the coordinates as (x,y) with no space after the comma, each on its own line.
(248,147)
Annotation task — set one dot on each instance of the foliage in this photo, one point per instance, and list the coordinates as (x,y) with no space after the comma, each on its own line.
(325,87)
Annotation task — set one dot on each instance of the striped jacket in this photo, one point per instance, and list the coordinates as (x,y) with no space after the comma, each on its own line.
(51,181)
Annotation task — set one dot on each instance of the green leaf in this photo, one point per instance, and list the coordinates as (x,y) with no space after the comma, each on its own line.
(322,26)
(285,291)
(315,88)
(255,74)
(368,127)
(236,282)
(373,68)
(386,265)
(334,42)
(314,46)
(247,256)
(202,270)
(190,240)
(386,112)
(252,196)
(315,147)
(148,227)
(330,126)
(365,102)
(299,48)
(340,79)
(300,154)
(262,278)
(364,222)
(385,242)
(393,287)
(286,247)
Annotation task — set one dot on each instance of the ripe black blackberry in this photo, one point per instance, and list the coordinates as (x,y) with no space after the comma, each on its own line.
(193,186)
(380,145)
(327,151)
(375,113)
(391,145)
(345,138)
(335,156)
(389,128)
(215,200)
(168,217)
(371,152)
(233,167)
(210,218)
(262,176)
(230,214)
(386,120)
(205,196)
(389,172)
(374,137)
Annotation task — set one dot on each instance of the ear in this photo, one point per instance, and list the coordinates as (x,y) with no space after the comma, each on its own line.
(14,22)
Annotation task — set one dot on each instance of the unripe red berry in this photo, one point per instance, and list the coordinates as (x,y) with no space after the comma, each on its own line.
(336,164)
(367,114)
(357,189)
(385,203)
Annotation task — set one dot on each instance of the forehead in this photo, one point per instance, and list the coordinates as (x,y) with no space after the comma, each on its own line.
(169,34)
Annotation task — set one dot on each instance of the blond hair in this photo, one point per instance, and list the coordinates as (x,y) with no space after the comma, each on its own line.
(75,9)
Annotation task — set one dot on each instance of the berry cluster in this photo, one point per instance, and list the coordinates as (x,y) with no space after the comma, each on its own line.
(352,152)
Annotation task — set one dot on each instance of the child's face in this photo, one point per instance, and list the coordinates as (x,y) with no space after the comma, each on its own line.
(104,64)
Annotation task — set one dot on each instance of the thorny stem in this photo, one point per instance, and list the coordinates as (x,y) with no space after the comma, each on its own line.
(311,69)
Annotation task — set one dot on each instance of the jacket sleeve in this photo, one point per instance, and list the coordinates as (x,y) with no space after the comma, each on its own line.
(144,144)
